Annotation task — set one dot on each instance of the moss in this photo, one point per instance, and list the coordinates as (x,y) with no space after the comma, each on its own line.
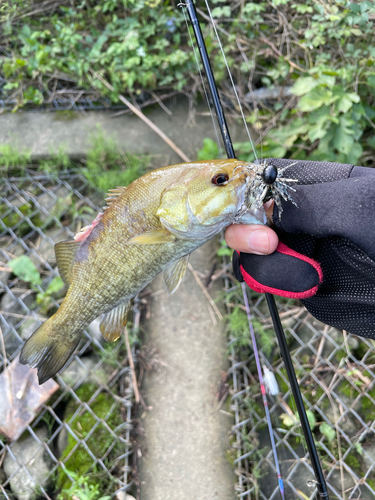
(340,355)
(66,115)
(353,462)
(367,406)
(281,382)
(98,442)
(361,350)
(314,395)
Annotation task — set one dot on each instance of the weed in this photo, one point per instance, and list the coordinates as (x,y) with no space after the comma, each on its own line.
(57,162)
(12,158)
(25,269)
(238,325)
(209,151)
(107,167)
(82,490)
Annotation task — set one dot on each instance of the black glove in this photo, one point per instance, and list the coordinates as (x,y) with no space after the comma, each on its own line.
(326,256)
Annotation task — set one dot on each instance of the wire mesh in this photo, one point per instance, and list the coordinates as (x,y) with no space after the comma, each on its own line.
(335,371)
(90,416)
(62,97)
(84,431)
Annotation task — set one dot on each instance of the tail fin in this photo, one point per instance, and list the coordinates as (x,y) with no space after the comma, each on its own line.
(47,350)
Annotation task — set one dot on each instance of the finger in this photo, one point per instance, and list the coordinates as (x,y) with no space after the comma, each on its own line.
(260,240)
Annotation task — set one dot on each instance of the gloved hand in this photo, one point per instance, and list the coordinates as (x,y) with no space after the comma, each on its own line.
(326,254)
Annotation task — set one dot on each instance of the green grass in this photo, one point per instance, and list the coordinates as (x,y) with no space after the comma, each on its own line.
(105,165)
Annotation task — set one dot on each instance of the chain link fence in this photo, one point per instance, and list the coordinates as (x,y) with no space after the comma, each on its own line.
(85,431)
(335,371)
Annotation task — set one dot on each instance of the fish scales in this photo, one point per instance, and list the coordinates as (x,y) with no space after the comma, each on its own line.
(149,227)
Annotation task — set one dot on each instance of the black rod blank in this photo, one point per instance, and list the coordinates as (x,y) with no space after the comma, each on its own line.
(315,462)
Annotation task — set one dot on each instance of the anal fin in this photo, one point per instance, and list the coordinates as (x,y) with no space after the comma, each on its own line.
(114,321)
(66,252)
(174,273)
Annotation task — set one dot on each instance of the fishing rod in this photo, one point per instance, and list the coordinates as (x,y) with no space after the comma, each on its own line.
(314,457)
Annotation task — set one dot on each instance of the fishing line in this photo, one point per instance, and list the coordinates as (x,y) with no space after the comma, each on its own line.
(263,391)
(204,87)
(231,79)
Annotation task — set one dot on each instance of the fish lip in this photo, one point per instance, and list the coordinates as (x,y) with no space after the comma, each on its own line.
(243,206)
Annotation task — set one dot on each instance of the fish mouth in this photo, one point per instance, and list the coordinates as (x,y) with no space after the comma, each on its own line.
(244,195)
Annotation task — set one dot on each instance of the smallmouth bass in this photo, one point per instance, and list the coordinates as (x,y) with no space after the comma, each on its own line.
(147,228)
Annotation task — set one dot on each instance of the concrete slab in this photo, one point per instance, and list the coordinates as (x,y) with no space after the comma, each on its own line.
(186,437)
(44,133)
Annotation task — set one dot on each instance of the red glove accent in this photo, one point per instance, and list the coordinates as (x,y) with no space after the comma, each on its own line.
(290,266)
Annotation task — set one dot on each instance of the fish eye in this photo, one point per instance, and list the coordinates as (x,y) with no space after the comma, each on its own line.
(220,179)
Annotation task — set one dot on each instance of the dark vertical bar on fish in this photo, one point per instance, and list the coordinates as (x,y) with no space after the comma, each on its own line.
(321,484)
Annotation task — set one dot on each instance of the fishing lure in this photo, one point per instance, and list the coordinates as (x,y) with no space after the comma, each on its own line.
(269,182)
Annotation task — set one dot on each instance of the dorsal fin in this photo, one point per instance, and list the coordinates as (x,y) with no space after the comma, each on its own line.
(113,194)
(65,252)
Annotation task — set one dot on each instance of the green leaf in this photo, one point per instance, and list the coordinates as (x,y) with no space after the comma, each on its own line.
(359,448)
(316,98)
(55,285)
(210,150)
(347,100)
(288,420)
(221,11)
(25,269)
(354,154)
(311,418)
(224,249)
(316,132)
(327,431)
(304,85)
(343,139)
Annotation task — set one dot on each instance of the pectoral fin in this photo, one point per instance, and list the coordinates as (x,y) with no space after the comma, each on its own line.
(114,321)
(152,238)
(174,274)
(65,252)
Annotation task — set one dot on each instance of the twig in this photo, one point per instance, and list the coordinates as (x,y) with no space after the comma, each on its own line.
(139,113)
(161,104)
(131,363)
(149,102)
(208,296)
(214,320)
(321,345)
